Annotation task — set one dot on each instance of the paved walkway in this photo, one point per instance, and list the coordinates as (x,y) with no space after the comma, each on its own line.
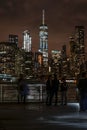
(35,116)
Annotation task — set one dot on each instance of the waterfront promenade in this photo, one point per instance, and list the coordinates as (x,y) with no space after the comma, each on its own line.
(38,116)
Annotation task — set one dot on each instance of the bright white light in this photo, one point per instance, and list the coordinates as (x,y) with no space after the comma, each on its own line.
(27,41)
(73,119)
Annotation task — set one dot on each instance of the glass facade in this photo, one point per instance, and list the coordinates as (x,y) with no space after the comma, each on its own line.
(43,34)
(79,39)
(7,58)
(27,41)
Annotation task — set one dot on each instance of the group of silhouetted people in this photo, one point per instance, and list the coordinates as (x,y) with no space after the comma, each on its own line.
(53,86)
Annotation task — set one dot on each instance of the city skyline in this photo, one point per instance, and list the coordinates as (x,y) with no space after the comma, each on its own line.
(61,18)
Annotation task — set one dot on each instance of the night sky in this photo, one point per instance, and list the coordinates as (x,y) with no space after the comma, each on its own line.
(61,17)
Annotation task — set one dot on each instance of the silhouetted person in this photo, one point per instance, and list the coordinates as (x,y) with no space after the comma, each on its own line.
(82,86)
(54,90)
(63,89)
(23,89)
(48,89)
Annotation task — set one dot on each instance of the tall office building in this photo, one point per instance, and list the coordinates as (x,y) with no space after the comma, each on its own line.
(55,61)
(7,58)
(72,45)
(43,34)
(77,46)
(80,48)
(79,39)
(13,39)
(56,55)
(27,44)
(64,55)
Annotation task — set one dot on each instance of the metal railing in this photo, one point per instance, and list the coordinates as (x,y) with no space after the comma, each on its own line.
(37,92)
(9,93)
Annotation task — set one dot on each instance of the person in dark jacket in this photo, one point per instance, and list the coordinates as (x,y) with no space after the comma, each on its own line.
(48,88)
(82,87)
(54,90)
(23,89)
(63,89)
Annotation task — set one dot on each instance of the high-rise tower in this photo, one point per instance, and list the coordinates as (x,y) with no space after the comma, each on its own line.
(43,34)
(13,39)
(79,39)
(80,48)
(27,41)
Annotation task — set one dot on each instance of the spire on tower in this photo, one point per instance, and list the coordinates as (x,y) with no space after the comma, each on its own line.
(43,17)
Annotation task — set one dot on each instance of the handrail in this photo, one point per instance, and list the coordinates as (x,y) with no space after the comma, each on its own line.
(37,93)
(8,92)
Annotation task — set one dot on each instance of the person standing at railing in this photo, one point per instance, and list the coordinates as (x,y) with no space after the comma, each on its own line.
(63,90)
(23,89)
(54,90)
(48,89)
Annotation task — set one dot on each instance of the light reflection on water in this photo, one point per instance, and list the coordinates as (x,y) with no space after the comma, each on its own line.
(76,120)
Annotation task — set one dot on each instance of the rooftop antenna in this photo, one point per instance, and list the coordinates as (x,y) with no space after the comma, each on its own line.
(43,17)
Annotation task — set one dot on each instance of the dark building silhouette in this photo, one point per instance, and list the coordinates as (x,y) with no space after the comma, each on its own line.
(13,39)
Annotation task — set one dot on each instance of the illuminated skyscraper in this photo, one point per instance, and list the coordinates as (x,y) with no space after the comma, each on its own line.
(80,47)
(43,34)
(27,41)
(7,58)
(77,50)
(55,62)
(79,39)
